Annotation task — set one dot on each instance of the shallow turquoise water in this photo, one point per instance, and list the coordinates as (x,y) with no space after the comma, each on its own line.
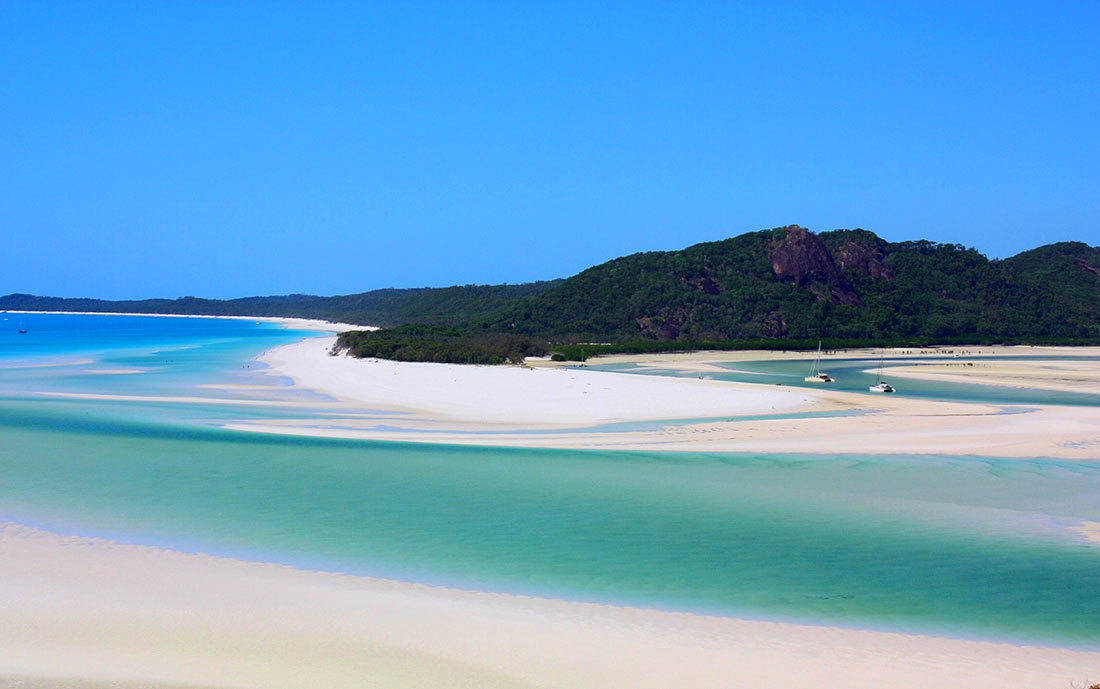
(173,355)
(974,547)
(73,334)
(850,377)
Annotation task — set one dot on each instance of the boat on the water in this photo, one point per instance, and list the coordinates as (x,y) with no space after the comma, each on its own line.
(881,385)
(816,374)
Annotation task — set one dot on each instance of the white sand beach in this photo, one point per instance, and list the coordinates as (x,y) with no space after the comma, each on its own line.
(82,612)
(513,395)
(513,406)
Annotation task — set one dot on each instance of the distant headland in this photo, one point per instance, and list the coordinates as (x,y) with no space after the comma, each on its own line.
(782,288)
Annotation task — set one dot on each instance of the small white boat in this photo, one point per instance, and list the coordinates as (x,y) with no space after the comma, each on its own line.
(881,385)
(816,374)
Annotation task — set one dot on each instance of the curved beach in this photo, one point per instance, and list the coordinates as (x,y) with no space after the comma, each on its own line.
(512,406)
(516,396)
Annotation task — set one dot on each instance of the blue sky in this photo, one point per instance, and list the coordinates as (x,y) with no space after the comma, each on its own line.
(232,149)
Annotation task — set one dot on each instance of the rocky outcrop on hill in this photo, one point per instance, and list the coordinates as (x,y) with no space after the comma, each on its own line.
(1087,268)
(792,283)
(801,257)
(861,252)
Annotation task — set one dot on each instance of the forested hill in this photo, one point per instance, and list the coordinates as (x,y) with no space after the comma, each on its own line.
(792,283)
(786,283)
(383,307)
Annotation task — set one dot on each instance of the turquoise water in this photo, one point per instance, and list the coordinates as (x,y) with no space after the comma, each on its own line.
(973,547)
(172,355)
(850,377)
(67,335)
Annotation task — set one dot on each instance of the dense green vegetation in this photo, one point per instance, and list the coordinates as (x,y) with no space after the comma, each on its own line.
(439,344)
(791,284)
(780,289)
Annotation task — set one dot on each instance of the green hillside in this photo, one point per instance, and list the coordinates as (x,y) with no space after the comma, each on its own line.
(782,285)
(849,284)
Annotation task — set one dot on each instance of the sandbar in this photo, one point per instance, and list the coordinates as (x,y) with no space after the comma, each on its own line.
(474,395)
(1067,375)
(515,406)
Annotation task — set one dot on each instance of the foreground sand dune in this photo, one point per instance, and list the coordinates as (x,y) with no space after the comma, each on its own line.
(134,616)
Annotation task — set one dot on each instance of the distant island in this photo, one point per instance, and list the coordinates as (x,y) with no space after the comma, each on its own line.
(784,288)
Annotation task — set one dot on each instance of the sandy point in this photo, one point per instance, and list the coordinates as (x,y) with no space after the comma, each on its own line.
(586,408)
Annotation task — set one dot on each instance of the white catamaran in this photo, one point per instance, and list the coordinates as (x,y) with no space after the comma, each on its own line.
(816,375)
(881,385)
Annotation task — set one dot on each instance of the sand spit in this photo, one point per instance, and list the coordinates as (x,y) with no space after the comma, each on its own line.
(476,395)
(513,406)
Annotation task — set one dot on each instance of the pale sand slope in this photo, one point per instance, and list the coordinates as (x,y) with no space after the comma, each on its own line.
(462,404)
(139,616)
(516,395)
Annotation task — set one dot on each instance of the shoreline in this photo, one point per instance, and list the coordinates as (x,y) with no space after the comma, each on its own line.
(130,613)
(474,396)
(1059,376)
(486,405)
(287,321)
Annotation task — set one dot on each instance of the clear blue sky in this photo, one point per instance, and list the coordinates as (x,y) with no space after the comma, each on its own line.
(224,149)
